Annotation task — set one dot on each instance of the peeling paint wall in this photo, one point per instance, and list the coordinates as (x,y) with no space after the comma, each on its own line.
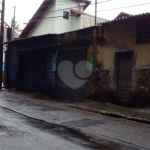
(89,84)
(122,37)
(98,84)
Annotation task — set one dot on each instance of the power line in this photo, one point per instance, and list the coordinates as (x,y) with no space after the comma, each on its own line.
(58,17)
(90,12)
(111,34)
(38,14)
(123,7)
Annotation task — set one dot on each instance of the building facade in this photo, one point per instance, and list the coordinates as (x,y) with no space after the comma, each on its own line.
(118,56)
(58,16)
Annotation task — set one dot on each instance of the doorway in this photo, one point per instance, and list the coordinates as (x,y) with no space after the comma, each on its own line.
(123,75)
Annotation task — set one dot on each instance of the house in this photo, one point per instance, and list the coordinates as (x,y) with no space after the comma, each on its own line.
(118,70)
(58,16)
(124,60)
(122,15)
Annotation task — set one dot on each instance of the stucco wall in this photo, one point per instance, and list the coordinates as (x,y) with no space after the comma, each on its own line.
(53,22)
(88,21)
(122,37)
(45,26)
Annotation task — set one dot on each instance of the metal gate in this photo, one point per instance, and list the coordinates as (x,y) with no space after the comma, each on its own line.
(68,78)
(123,75)
(32,72)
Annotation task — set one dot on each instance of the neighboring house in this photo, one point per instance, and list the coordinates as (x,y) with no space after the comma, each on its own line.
(124,59)
(122,49)
(122,15)
(58,16)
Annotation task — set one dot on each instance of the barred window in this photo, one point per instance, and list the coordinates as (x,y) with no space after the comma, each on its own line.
(65,14)
(143,32)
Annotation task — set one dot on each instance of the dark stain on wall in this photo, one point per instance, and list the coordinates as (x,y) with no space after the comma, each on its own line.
(51,81)
(141,94)
(98,86)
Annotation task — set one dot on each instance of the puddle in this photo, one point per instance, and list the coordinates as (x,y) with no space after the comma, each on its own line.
(70,134)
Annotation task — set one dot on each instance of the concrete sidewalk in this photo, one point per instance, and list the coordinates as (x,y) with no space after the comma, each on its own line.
(135,114)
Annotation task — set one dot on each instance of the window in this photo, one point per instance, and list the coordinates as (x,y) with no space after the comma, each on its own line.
(143,32)
(65,15)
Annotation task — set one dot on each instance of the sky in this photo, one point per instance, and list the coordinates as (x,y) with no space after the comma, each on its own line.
(106,8)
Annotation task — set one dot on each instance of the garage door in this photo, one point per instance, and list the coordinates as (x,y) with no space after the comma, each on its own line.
(70,65)
(32,72)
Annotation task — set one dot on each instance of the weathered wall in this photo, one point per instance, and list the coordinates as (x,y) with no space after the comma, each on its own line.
(51,72)
(122,37)
(12,67)
(98,85)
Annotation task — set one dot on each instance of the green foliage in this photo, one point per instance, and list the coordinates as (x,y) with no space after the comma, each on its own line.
(15,24)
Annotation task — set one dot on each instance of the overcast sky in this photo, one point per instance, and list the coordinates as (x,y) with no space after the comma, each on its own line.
(26,8)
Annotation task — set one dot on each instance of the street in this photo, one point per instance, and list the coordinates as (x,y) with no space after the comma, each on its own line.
(35,124)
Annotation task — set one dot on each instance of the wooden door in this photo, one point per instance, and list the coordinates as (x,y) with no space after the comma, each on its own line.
(123,75)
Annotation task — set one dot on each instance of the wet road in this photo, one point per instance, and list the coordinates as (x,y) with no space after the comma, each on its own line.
(26,123)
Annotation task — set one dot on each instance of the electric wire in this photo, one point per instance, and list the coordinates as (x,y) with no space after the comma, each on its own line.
(134,31)
(39,14)
(90,12)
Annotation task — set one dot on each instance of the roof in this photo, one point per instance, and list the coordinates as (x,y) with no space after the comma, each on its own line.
(76,12)
(79,12)
(87,3)
(123,14)
(35,18)
(41,10)
(127,18)
(45,35)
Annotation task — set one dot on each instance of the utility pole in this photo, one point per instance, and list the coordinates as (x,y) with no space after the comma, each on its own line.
(1,41)
(14,23)
(95,12)
(95,48)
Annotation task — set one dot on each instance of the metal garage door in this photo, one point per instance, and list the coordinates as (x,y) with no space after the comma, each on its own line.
(32,72)
(39,76)
(68,84)
(26,66)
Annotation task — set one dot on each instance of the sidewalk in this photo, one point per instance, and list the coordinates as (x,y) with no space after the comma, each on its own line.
(135,114)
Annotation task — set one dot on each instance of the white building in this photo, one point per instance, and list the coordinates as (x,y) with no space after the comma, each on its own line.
(59,16)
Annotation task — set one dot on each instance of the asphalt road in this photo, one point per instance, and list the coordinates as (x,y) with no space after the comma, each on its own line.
(31,124)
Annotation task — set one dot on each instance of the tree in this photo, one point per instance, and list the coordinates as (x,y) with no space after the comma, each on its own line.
(15,24)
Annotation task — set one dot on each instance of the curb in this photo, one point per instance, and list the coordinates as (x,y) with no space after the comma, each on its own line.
(103,112)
